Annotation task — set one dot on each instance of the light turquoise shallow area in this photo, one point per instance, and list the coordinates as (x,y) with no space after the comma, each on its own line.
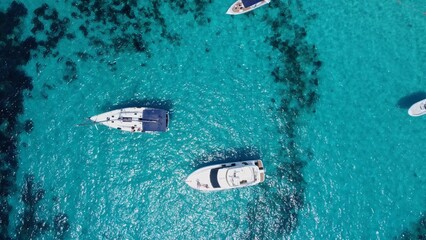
(365,178)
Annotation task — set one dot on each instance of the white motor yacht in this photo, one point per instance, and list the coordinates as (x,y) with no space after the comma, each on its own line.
(227,176)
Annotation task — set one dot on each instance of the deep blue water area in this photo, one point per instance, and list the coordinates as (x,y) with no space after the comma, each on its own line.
(318,91)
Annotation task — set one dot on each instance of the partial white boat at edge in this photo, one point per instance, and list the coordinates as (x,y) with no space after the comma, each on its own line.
(418,108)
(135,119)
(227,176)
(243,6)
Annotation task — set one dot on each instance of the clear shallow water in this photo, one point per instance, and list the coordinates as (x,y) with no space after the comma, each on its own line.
(340,164)
(366,178)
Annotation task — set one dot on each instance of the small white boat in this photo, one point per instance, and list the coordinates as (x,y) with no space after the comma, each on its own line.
(243,6)
(227,176)
(418,108)
(135,119)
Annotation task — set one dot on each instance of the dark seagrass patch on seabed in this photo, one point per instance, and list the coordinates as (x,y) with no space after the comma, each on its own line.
(13,82)
(70,72)
(129,26)
(15,51)
(123,25)
(196,7)
(50,27)
(416,231)
(296,74)
(30,224)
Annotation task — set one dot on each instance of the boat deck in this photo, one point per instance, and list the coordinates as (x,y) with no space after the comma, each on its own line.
(243,6)
(239,7)
(135,119)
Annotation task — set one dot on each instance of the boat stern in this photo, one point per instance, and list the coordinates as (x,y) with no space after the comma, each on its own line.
(259,164)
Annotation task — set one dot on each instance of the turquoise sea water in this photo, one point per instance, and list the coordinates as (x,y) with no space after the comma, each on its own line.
(317,90)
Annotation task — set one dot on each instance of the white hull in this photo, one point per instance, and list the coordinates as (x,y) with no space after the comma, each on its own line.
(135,119)
(418,108)
(239,8)
(227,176)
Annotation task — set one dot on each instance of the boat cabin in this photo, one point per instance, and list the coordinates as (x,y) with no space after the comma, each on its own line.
(233,177)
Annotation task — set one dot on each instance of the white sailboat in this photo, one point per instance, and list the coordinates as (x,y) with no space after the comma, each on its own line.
(135,119)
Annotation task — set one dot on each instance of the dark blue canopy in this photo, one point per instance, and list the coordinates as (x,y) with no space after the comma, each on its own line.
(154,120)
(248,3)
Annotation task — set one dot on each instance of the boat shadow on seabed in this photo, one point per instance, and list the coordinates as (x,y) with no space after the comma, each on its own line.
(151,103)
(407,101)
(227,156)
